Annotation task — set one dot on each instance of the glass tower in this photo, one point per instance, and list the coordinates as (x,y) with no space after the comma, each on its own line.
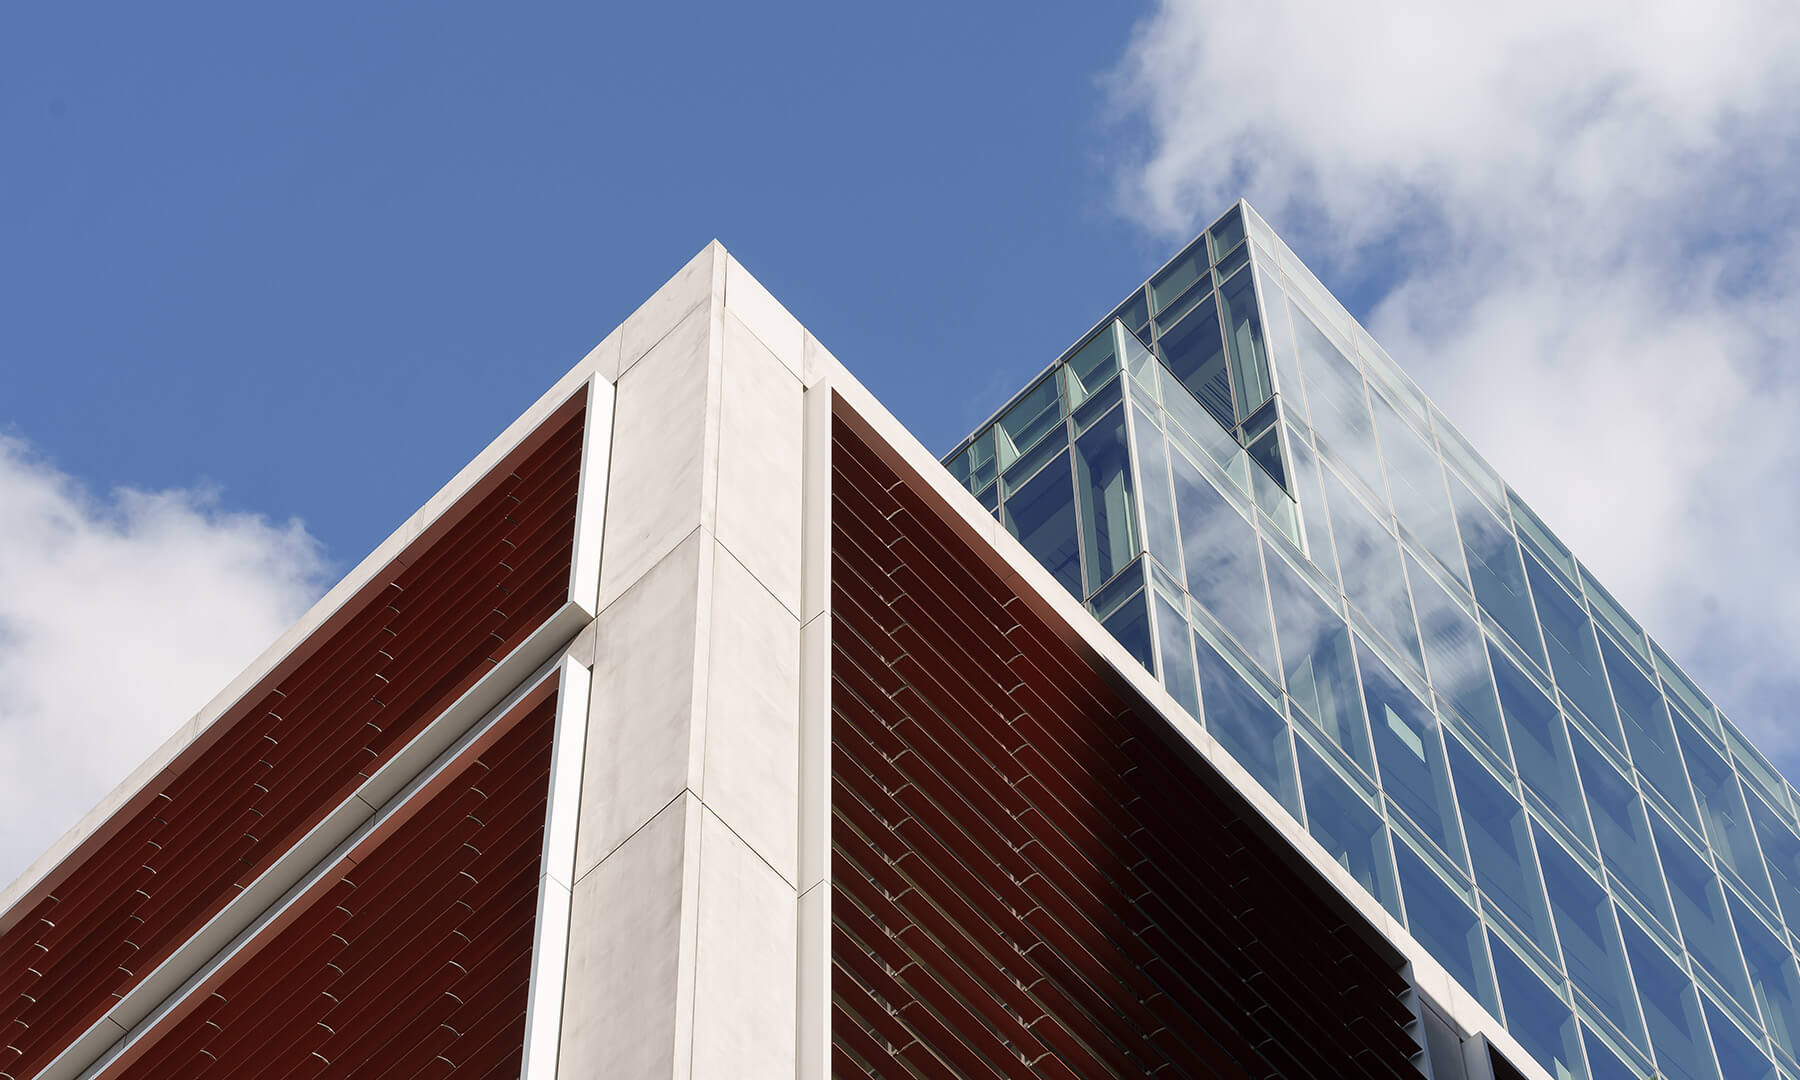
(1258,503)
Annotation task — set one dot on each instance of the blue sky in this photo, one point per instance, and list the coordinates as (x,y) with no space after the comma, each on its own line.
(269,277)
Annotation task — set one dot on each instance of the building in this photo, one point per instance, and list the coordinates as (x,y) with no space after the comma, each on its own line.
(706,726)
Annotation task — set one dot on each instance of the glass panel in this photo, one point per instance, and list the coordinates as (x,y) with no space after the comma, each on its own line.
(1311,498)
(1443,923)
(1723,809)
(1042,516)
(1092,365)
(1540,745)
(1700,911)
(1416,484)
(1227,233)
(1369,557)
(1474,468)
(1108,394)
(1648,731)
(1334,391)
(1134,313)
(1541,1021)
(1349,828)
(1034,459)
(1574,657)
(1593,954)
(1603,1064)
(1500,846)
(1160,529)
(1671,1009)
(1223,571)
(1496,572)
(1194,352)
(1316,661)
(1774,977)
(1781,848)
(1246,725)
(1739,1057)
(1130,624)
(1410,755)
(1281,341)
(1177,657)
(1679,685)
(1108,599)
(976,465)
(1038,413)
(1456,658)
(1172,280)
(1753,768)
(1538,536)
(1607,609)
(1622,829)
(1244,336)
(1108,518)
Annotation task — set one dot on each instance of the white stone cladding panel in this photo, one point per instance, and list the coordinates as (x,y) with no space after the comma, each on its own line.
(759,489)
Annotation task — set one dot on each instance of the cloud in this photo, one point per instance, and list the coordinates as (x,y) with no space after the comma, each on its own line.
(120,616)
(1576,226)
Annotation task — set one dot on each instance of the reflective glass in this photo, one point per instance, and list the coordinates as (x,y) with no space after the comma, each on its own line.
(1753,769)
(1102,399)
(1160,529)
(1671,1009)
(1648,731)
(1781,848)
(1034,459)
(1227,233)
(1334,393)
(1316,661)
(1416,484)
(1540,745)
(1042,516)
(1739,1057)
(1603,1064)
(1134,313)
(1500,846)
(1678,685)
(1622,829)
(976,464)
(1442,922)
(1108,518)
(1130,624)
(1537,536)
(1092,365)
(1172,280)
(1722,807)
(1593,954)
(1037,413)
(1244,336)
(1349,828)
(1369,557)
(1194,352)
(1542,1022)
(1176,653)
(1774,978)
(1474,468)
(1608,611)
(1410,755)
(1456,658)
(1204,432)
(1246,725)
(1223,571)
(1700,911)
(1574,656)
(1312,507)
(1281,342)
(1496,572)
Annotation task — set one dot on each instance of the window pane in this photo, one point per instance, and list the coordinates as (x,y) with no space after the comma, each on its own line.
(1603,1064)
(1410,755)
(1130,624)
(1700,911)
(1042,515)
(1334,392)
(1622,829)
(1223,571)
(1782,849)
(1160,530)
(1348,827)
(1370,560)
(1774,979)
(1722,807)
(1443,923)
(1173,279)
(1648,731)
(1093,365)
(1500,847)
(1176,654)
(1574,657)
(1316,661)
(1593,954)
(1496,571)
(1671,1009)
(1108,518)
(1227,233)
(1456,658)
(1739,1058)
(1281,341)
(1194,352)
(1311,498)
(1416,484)
(1535,1016)
(1038,413)
(1540,745)
(1247,726)
(1244,336)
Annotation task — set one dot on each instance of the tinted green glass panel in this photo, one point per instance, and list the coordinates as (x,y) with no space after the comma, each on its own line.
(1443,923)
(1160,529)
(1648,731)
(1541,746)
(1223,571)
(1496,571)
(1456,658)
(1130,624)
(1311,497)
(1227,233)
(1541,1021)
(1176,653)
(1369,558)
(1317,663)
(1282,354)
(1348,828)
(1416,484)
(1722,807)
(1108,515)
(1700,912)
(1500,846)
(976,465)
(1410,754)
(1535,535)
(1671,1009)
(1622,828)
(1194,352)
(1037,414)
(1593,954)
(1172,280)
(1574,655)
(1334,393)
(1244,337)
(1247,726)
(1092,365)
(1042,516)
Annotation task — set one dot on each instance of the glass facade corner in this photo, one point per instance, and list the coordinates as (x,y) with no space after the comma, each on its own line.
(1253,497)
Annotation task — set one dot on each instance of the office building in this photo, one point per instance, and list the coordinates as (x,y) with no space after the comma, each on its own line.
(1218,712)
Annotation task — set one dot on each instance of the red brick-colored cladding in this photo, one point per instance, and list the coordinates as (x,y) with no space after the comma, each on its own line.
(440,616)
(411,959)
(1029,881)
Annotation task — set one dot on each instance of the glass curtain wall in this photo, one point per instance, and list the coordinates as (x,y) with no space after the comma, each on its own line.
(1261,506)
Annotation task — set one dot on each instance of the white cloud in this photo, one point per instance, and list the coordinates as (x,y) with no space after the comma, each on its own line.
(120,616)
(1583,227)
